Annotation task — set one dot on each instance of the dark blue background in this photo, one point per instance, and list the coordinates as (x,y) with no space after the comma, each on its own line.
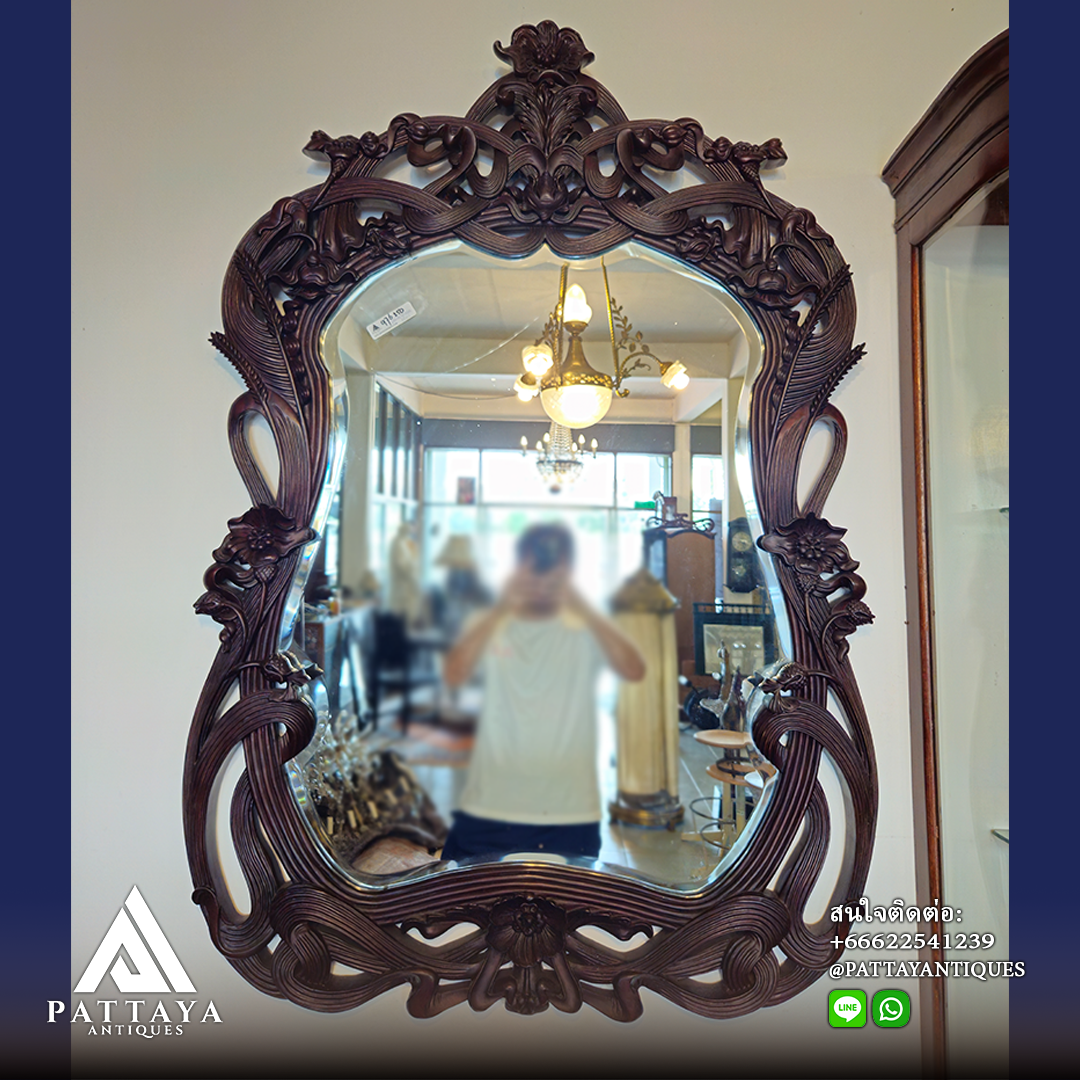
(36,890)
(36,913)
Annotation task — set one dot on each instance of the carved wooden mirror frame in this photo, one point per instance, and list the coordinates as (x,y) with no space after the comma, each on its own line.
(545,186)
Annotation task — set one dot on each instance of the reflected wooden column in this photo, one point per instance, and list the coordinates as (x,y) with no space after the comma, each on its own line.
(355,562)
(734,507)
(647,712)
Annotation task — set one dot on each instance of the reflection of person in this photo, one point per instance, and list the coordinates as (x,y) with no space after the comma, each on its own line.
(532,783)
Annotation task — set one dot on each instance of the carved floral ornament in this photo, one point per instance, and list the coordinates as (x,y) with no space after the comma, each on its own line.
(543,185)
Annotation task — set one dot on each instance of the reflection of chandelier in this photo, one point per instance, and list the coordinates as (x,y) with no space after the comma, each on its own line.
(559,458)
(573,393)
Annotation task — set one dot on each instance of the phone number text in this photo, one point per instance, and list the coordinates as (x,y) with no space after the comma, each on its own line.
(914,941)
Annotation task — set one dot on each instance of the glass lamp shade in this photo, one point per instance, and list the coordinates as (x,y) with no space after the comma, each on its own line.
(674,375)
(525,386)
(576,405)
(537,359)
(575,307)
(457,553)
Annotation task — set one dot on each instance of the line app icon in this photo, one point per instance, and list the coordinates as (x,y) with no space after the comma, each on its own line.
(847,1008)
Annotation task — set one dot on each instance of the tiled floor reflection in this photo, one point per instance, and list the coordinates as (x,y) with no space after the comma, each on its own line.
(676,856)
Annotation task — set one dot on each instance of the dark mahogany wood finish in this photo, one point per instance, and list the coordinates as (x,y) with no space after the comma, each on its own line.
(959,146)
(544,186)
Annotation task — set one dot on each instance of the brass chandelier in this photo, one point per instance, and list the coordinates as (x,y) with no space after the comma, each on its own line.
(573,393)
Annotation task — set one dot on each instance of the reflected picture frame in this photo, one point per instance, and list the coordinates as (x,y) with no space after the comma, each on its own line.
(743,629)
(466,491)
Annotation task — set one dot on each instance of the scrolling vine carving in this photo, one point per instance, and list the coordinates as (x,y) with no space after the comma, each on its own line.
(542,185)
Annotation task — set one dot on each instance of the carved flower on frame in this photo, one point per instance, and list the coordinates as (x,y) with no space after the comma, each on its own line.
(389,235)
(716,149)
(848,615)
(855,614)
(790,678)
(526,931)
(283,667)
(260,538)
(538,50)
(811,546)
(316,275)
(699,242)
(372,146)
(546,195)
(749,156)
(342,149)
(215,604)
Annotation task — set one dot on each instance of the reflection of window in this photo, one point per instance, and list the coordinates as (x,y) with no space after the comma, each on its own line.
(511,495)
(706,483)
(395,473)
(331,556)
(396,445)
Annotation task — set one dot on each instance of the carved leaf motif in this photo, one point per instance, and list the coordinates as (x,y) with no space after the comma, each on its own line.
(258,323)
(811,371)
(248,372)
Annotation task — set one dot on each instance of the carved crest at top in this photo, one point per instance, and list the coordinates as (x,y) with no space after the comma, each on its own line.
(547,51)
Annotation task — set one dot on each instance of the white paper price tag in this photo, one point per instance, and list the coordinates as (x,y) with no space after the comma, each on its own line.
(391,319)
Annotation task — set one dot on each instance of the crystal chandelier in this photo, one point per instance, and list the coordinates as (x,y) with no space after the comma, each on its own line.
(573,393)
(559,459)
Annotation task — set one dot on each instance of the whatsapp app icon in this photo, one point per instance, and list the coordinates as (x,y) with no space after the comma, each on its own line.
(891,1008)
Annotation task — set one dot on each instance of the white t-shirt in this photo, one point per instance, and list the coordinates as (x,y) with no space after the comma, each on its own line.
(534,758)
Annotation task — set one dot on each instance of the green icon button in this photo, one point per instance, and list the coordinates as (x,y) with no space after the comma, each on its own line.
(847,1008)
(891,1008)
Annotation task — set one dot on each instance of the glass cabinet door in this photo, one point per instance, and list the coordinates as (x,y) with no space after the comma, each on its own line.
(965,296)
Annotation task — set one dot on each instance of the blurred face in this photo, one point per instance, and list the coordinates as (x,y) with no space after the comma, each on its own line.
(541,590)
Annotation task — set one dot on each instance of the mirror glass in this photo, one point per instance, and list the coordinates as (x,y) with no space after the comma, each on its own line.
(431,701)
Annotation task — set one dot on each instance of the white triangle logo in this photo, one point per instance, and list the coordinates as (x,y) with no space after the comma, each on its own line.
(148,977)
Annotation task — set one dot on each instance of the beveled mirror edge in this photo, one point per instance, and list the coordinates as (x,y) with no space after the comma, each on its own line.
(541,189)
(326,760)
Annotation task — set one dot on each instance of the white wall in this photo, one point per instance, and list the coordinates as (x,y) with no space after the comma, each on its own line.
(187,123)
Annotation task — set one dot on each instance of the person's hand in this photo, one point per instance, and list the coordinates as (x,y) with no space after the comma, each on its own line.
(571,599)
(515,594)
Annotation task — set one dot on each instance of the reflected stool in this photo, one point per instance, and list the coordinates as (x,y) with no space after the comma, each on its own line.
(742,766)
